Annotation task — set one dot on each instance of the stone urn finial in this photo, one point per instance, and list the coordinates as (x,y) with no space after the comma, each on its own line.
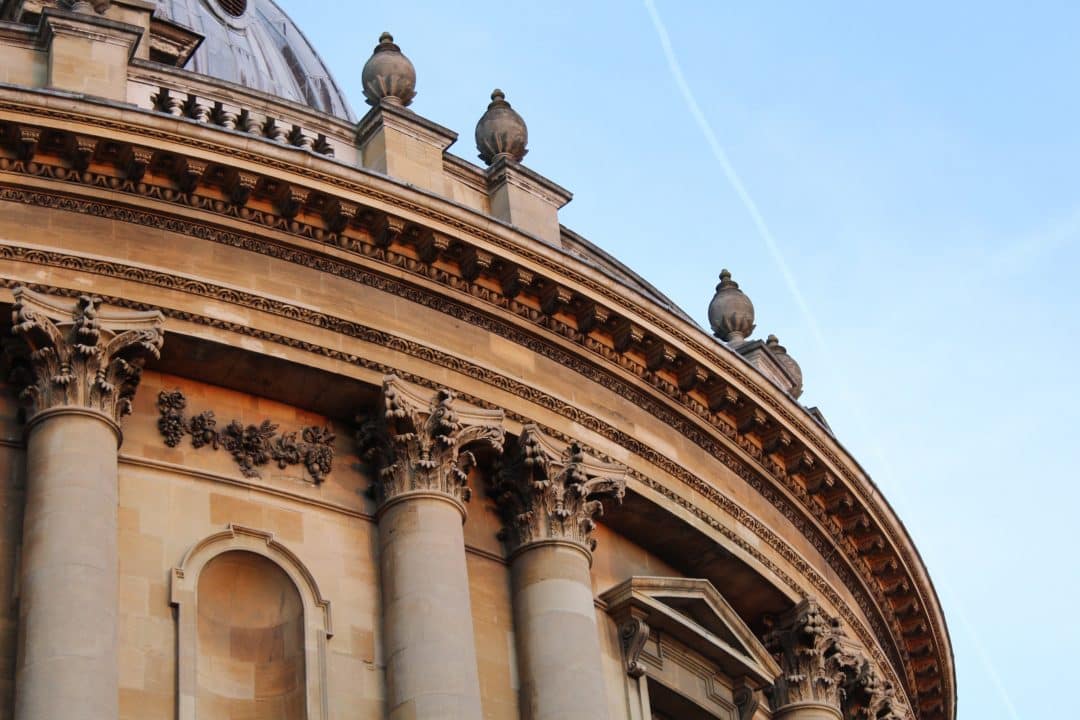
(388,74)
(501,132)
(731,314)
(87,6)
(792,367)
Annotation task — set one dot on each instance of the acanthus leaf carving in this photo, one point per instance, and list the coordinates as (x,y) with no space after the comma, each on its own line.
(251,446)
(815,664)
(81,356)
(547,491)
(417,442)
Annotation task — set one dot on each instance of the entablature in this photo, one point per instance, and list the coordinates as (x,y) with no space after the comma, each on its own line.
(657,360)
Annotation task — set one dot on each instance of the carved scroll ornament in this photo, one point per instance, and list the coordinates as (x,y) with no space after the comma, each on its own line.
(421,443)
(548,492)
(80,355)
(250,445)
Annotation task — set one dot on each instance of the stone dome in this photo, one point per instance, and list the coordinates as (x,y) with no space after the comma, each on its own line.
(254,43)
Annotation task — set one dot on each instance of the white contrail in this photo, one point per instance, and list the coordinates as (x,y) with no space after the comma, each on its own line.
(733,176)
(793,287)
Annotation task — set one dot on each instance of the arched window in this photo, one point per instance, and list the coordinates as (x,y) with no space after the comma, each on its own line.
(252,630)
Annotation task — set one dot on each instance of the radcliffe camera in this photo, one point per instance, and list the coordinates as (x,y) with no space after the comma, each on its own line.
(536,361)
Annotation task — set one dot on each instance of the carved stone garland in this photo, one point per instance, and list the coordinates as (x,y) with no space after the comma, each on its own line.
(79,355)
(815,663)
(418,443)
(250,445)
(546,492)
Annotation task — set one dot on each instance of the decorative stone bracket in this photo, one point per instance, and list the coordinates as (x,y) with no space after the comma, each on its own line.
(251,445)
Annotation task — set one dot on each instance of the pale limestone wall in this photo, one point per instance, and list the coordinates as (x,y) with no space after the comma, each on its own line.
(163,513)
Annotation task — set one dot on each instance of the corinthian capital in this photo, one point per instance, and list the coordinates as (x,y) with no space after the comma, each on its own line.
(549,491)
(868,696)
(420,442)
(82,355)
(815,664)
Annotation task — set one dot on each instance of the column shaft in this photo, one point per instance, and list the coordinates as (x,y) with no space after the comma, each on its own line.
(557,639)
(429,643)
(67,665)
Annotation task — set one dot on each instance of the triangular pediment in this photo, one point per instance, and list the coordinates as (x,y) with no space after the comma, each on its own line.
(693,611)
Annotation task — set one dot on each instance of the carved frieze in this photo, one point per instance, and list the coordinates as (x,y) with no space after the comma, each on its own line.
(419,442)
(815,665)
(81,355)
(251,446)
(546,491)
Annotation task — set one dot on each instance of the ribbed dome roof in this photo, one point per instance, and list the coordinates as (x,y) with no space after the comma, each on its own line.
(253,43)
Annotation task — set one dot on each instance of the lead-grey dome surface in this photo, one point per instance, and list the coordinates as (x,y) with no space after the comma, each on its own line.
(255,44)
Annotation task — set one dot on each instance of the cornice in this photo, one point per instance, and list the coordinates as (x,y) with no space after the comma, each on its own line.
(675,347)
(572,413)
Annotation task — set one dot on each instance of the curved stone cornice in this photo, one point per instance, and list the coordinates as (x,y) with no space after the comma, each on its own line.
(704,514)
(418,443)
(567,305)
(552,492)
(82,356)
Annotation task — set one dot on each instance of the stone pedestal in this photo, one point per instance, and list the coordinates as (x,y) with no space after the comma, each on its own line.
(557,640)
(422,447)
(82,370)
(548,495)
(395,141)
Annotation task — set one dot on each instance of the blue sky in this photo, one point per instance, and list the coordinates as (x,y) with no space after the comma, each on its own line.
(913,170)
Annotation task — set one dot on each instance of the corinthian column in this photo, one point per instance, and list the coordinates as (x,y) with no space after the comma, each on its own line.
(815,665)
(423,447)
(548,495)
(84,367)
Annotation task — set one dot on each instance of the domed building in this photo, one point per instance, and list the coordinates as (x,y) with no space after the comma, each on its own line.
(307,418)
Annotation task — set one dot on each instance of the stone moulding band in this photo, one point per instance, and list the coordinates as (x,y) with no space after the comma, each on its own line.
(44,415)
(423,495)
(731,508)
(552,542)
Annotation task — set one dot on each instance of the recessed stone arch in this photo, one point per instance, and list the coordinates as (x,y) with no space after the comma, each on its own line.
(303,616)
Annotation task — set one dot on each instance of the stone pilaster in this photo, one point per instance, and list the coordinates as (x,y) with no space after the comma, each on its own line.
(83,369)
(815,664)
(549,496)
(422,446)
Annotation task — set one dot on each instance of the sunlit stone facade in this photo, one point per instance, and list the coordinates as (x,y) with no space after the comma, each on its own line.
(307,418)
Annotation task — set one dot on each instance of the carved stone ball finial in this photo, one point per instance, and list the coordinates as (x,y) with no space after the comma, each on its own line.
(792,367)
(501,132)
(731,314)
(388,74)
